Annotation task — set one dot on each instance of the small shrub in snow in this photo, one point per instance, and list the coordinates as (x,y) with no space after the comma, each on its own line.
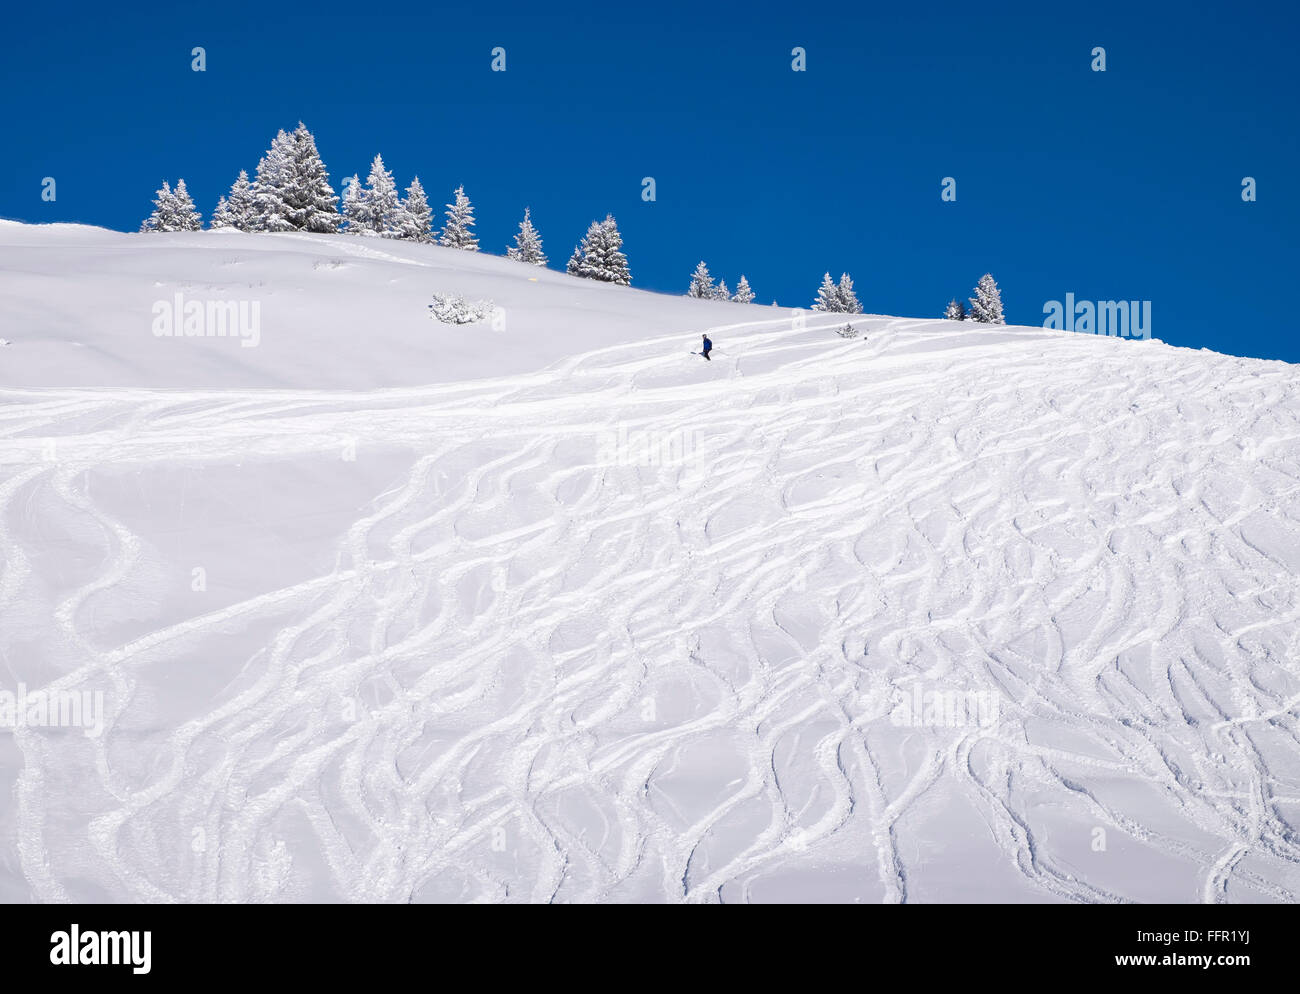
(848,331)
(451,308)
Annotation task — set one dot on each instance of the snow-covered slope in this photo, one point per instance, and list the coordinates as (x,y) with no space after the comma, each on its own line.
(620,624)
(334,312)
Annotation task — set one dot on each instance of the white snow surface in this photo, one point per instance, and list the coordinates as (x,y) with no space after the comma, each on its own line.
(458,639)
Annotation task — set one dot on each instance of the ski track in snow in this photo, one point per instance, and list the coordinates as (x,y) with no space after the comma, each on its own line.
(575,680)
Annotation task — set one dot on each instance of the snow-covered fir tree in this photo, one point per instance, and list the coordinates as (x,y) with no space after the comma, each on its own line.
(848,299)
(313,205)
(528,243)
(382,203)
(355,221)
(600,256)
(292,187)
(456,232)
(173,211)
(415,215)
(164,210)
(837,299)
(720,292)
(956,311)
(701,283)
(828,298)
(272,180)
(187,216)
(220,215)
(986,305)
(239,208)
(743,295)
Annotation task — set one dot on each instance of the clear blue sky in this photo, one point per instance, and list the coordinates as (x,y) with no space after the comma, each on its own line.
(1117,185)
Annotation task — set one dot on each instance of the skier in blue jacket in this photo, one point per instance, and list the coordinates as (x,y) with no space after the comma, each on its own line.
(707,346)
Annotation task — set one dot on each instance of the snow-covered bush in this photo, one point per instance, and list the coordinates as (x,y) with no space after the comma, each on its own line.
(848,331)
(452,308)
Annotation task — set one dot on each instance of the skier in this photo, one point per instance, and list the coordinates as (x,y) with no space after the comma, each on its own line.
(707,346)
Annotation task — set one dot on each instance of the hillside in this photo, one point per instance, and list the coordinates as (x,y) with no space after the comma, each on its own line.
(389,610)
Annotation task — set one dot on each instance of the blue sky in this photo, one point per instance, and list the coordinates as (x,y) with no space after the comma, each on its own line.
(1117,185)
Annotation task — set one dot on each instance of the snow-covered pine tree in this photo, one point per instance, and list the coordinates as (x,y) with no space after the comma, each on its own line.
(956,311)
(986,305)
(164,210)
(220,215)
(460,219)
(186,217)
(401,221)
(615,262)
(720,292)
(828,297)
(292,188)
(313,205)
(848,299)
(238,209)
(241,203)
(743,295)
(382,202)
(415,214)
(271,213)
(528,243)
(701,283)
(355,220)
(600,256)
